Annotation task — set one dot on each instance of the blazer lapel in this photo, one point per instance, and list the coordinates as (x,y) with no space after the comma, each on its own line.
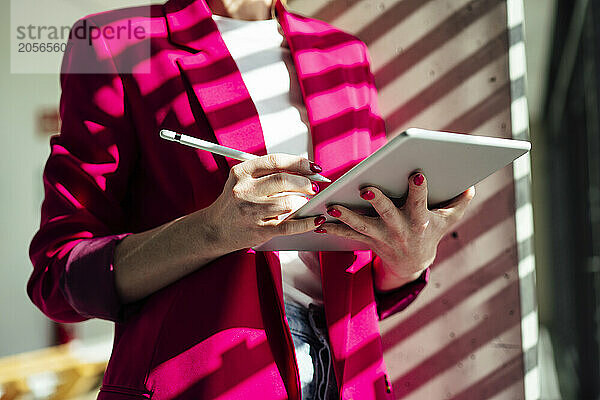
(333,74)
(214,77)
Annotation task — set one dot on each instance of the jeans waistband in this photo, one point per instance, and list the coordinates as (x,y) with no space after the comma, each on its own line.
(298,316)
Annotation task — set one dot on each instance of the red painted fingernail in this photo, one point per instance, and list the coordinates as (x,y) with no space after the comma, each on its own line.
(315,187)
(320,220)
(367,195)
(419,179)
(315,168)
(320,230)
(334,212)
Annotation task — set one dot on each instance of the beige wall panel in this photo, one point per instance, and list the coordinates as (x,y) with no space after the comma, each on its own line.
(443,64)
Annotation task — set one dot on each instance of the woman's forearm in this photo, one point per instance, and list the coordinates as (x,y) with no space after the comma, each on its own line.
(244,215)
(148,261)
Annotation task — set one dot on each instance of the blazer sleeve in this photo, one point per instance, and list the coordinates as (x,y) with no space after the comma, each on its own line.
(85,183)
(392,301)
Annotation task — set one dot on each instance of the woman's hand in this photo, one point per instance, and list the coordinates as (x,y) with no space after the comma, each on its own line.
(405,238)
(254,200)
(244,215)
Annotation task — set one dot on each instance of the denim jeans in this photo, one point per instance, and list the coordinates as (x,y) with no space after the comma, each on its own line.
(315,363)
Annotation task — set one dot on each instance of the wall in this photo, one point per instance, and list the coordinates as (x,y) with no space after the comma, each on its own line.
(22,326)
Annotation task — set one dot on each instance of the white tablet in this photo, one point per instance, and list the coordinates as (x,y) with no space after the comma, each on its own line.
(451,162)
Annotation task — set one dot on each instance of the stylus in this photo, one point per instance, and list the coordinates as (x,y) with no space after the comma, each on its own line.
(221,150)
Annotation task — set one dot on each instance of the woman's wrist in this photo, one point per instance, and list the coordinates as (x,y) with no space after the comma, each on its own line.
(385,279)
(208,232)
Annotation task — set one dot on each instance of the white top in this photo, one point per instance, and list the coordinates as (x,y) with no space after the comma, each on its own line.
(269,74)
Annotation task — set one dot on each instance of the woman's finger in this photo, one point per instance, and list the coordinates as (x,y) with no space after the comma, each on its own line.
(362,224)
(281,182)
(272,163)
(346,232)
(416,200)
(458,205)
(384,206)
(281,204)
(294,226)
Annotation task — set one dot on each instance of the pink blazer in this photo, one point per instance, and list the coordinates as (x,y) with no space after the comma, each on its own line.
(220,332)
